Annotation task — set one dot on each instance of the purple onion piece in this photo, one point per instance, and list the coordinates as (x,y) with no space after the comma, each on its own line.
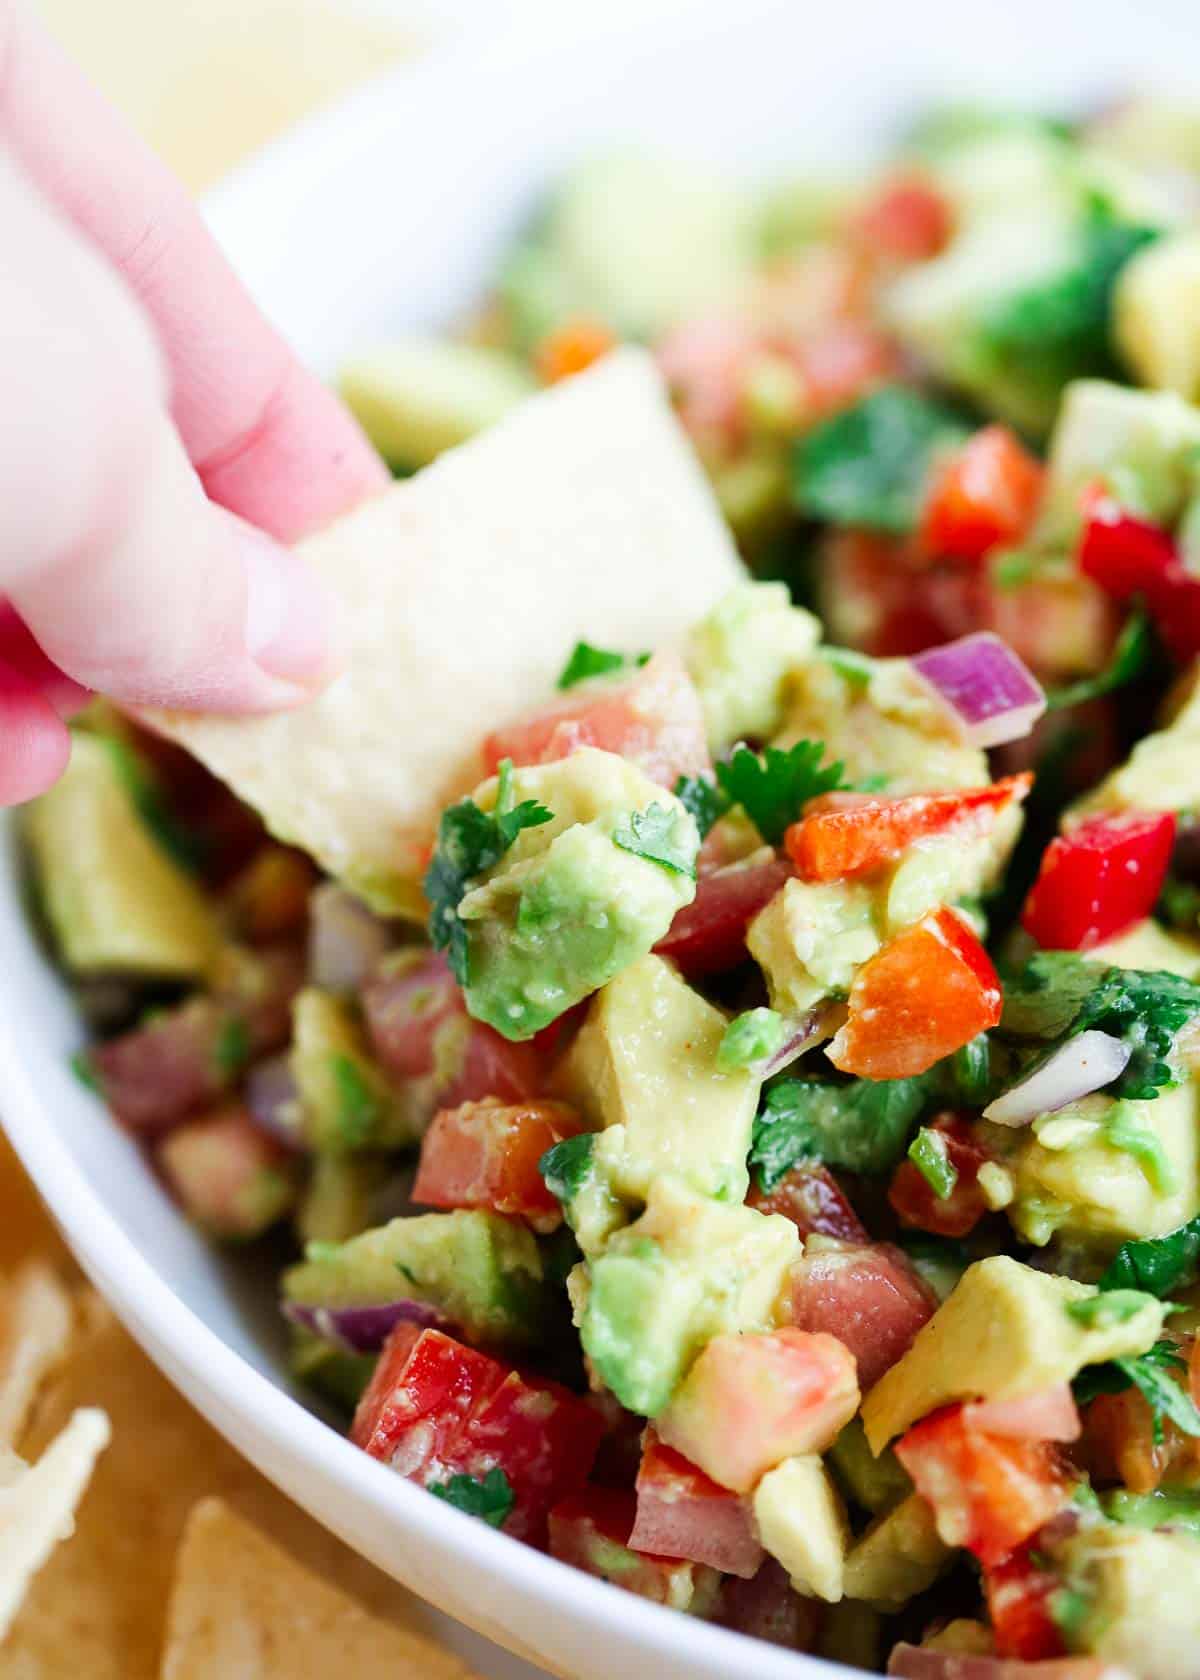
(345,941)
(803,1032)
(1082,1065)
(273,1103)
(362,1329)
(990,693)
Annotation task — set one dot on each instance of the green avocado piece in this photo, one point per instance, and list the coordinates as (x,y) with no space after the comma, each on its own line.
(336,1204)
(340,1377)
(874,1483)
(482,1272)
(575,900)
(1139,1609)
(740,657)
(116,902)
(416,397)
(346,1100)
(899,1556)
(1164,1508)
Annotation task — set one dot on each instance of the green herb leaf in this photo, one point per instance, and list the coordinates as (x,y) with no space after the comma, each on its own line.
(869,465)
(773,787)
(1114,1306)
(357,1104)
(1157,1265)
(1154,1374)
(970,1072)
(566,1165)
(490,1497)
(231,1050)
(1132,654)
(929,1155)
(863,1126)
(704,799)
(587,661)
(752,1037)
(659,835)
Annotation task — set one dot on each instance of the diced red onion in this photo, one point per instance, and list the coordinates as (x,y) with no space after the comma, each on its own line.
(345,941)
(273,1102)
(1082,1065)
(362,1329)
(803,1032)
(916,1662)
(991,694)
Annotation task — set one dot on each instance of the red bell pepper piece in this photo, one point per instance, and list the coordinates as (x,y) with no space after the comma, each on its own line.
(984,495)
(1128,556)
(1099,879)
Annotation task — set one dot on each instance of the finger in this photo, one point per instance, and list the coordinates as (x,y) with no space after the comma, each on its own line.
(21,653)
(34,742)
(268,439)
(126,576)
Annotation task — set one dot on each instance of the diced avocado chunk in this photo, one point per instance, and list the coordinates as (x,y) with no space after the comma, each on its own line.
(115,900)
(740,658)
(899,1556)
(963,1637)
(339,1376)
(1004,1331)
(1157,315)
(417,397)
(346,1100)
(336,1204)
(801,1522)
(875,1483)
(1140,1608)
(1162,773)
(686,1271)
(575,900)
(1150,946)
(644,1067)
(483,1273)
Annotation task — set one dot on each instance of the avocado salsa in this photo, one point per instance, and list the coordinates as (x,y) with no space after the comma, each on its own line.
(769,1179)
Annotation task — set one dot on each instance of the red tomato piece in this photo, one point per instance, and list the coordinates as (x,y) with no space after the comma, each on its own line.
(906,219)
(230,1177)
(709,934)
(1061,625)
(704,362)
(421,1393)
(653,718)
(989,1493)
(814,1201)
(919,1205)
(1128,556)
(1048,1415)
(928,992)
(1020,1600)
(1099,879)
(837,840)
(879,595)
(984,495)
(769,1607)
(841,362)
(868,1295)
(486,1154)
(571,348)
(683,1513)
(591,1531)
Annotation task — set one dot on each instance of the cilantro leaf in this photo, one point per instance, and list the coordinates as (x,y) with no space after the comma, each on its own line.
(704,799)
(1154,1374)
(565,1165)
(863,1126)
(1045,997)
(868,465)
(490,1497)
(1157,1265)
(587,661)
(1132,653)
(470,841)
(658,835)
(773,787)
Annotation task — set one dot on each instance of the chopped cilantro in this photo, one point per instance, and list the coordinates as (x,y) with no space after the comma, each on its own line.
(565,1165)
(658,835)
(704,799)
(1156,1265)
(863,1126)
(470,841)
(1113,1306)
(231,1050)
(970,1070)
(773,787)
(587,661)
(869,465)
(1154,1374)
(1132,653)
(928,1153)
(490,1497)
(751,1037)
(84,1070)
(357,1104)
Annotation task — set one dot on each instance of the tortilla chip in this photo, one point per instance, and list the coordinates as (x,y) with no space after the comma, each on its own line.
(37,1506)
(582,515)
(35,1329)
(242,1609)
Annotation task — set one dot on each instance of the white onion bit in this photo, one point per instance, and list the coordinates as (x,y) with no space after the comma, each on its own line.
(1082,1065)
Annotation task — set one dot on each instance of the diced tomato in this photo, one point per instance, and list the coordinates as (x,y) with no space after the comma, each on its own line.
(906,219)
(814,1201)
(868,1295)
(653,718)
(989,1492)
(919,1205)
(928,992)
(435,1409)
(750,1401)
(1050,1414)
(571,348)
(703,362)
(591,1531)
(1020,1599)
(984,495)
(709,934)
(269,899)
(873,597)
(836,840)
(682,1513)
(770,1608)
(1128,556)
(1099,879)
(841,362)
(485,1155)
(1059,623)
(229,1176)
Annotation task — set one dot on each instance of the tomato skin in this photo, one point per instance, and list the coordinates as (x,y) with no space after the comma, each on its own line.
(814,1201)
(984,495)
(1099,879)
(1048,1415)
(485,1155)
(989,1493)
(709,934)
(907,220)
(1019,1600)
(683,1513)
(915,1200)
(837,840)
(1128,556)
(925,994)
(868,1295)
(591,1530)
(571,348)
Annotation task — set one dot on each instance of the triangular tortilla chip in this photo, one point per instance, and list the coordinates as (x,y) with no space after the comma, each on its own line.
(35,1330)
(242,1609)
(584,515)
(37,1507)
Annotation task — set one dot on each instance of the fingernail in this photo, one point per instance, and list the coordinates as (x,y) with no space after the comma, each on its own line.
(290,616)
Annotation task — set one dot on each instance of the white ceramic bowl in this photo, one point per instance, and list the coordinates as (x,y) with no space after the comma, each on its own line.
(387,211)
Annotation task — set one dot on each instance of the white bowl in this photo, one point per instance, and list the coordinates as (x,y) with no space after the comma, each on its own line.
(387,211)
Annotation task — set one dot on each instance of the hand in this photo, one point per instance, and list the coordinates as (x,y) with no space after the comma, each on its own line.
(158,442)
